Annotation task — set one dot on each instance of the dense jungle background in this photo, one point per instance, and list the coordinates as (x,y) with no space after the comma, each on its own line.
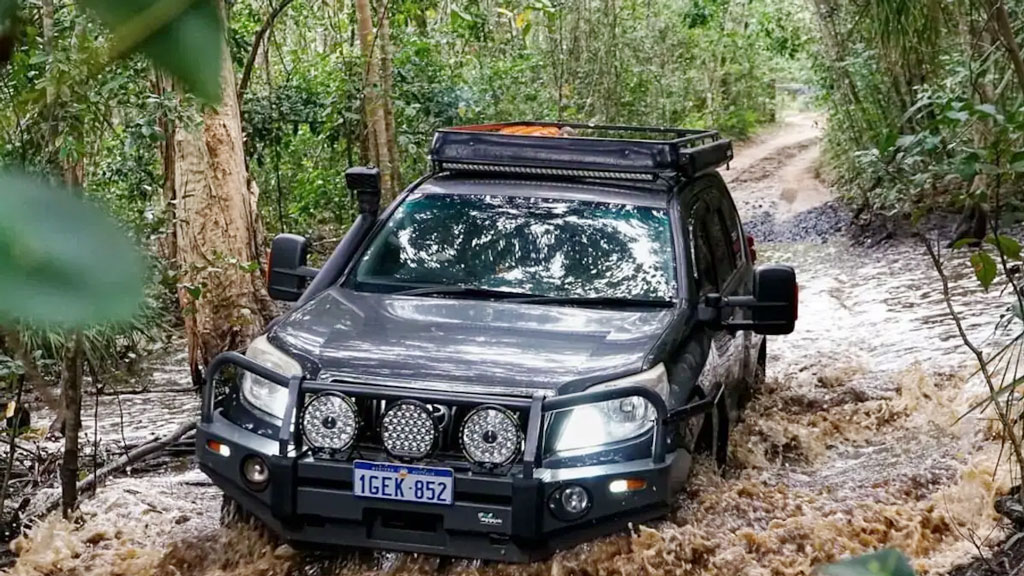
(149,149)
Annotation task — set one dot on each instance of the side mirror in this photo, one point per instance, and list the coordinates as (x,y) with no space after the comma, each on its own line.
(773,306)
(287,273)
(777,300)
(364,181)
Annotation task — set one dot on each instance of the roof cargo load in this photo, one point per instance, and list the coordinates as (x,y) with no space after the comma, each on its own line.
(579,150)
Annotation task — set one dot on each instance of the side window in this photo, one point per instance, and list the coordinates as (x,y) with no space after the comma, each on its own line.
(700,243)
(721,248)
(731,222)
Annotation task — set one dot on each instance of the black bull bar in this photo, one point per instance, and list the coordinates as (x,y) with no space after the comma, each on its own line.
(536,406)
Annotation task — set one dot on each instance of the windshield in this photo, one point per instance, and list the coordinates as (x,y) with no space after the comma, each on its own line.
(540,246)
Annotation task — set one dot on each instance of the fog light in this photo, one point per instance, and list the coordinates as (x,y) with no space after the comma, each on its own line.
(570,502)
(575,500)
(627,485)
(256,472)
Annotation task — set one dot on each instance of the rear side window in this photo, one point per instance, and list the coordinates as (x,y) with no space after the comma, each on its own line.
(731,224)
(721,247)
(703,255)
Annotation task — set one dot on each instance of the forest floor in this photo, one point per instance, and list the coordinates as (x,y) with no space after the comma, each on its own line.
(854,444)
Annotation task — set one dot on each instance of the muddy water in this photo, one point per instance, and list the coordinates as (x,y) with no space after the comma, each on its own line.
(853,445)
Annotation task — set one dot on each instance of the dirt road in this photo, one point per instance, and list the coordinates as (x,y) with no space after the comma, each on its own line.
(853,445)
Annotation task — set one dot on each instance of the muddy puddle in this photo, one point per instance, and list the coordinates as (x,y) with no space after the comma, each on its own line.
(854,444)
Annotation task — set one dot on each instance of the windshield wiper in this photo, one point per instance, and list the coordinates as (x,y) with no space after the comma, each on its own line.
(595,301)
(465,291)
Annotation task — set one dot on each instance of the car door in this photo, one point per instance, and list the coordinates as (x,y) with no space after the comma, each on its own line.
(734,279)
(719,269)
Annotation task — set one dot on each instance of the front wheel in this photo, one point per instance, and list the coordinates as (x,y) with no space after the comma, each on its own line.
(714,437)
(757,378)
(761,368)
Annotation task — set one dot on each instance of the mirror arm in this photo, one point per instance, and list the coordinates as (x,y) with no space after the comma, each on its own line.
(710,311)
(717,301)
(300,272)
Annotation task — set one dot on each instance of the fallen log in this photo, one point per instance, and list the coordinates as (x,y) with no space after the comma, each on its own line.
(134,456)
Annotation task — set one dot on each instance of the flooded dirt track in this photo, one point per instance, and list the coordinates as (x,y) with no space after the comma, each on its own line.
(854,443)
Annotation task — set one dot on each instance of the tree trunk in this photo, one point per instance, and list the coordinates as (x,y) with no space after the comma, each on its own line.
(1008,39)
(167,247)
(373,108)
(223,299)
(71,388)
(384,41)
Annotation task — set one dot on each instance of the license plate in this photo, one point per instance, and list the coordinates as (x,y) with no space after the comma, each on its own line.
(402,482)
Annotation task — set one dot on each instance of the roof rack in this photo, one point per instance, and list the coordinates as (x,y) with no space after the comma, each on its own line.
(559,149)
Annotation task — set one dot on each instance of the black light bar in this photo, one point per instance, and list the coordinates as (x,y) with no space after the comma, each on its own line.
(568,150)
(536,171)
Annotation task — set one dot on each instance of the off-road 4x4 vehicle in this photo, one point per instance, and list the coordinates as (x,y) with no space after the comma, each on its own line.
(523,352)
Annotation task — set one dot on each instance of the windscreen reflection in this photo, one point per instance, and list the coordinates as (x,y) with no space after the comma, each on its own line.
(542,246)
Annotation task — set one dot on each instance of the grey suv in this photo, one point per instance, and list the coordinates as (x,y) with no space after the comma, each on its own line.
(523,352)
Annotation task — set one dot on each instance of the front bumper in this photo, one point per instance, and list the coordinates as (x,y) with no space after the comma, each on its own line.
(494,517)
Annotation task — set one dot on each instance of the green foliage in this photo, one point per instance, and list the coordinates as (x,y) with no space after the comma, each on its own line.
(985,268)
(884,563)
(183,36)
(923,111)
(62,262)
(701,63)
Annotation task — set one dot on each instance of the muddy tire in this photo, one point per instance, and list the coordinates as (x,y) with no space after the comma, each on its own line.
(720,436)
(690,433)
(714,436)
(757,378)
(232,514)
(761,368)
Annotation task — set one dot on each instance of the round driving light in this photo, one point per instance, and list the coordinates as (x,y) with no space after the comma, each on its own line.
(408,430)
(491,436)
(256,472)
(569,502)
(575,500)
(330,421)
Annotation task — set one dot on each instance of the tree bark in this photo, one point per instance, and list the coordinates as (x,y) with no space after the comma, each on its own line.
(384,40)
(71,386)
(217,230)
(373,108)
(1008,39)
(167,247)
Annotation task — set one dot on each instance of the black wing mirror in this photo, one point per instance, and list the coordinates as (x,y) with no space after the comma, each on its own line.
(777,295)
(774,305)
(287,272)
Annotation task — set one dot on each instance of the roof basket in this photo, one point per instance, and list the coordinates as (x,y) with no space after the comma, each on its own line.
(569,150)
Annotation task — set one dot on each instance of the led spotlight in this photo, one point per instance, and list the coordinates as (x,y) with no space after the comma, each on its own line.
(491,437)
(330,421)
(408,430)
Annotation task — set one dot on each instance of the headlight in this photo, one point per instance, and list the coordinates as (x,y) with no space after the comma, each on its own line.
(594,425)
(264,394)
